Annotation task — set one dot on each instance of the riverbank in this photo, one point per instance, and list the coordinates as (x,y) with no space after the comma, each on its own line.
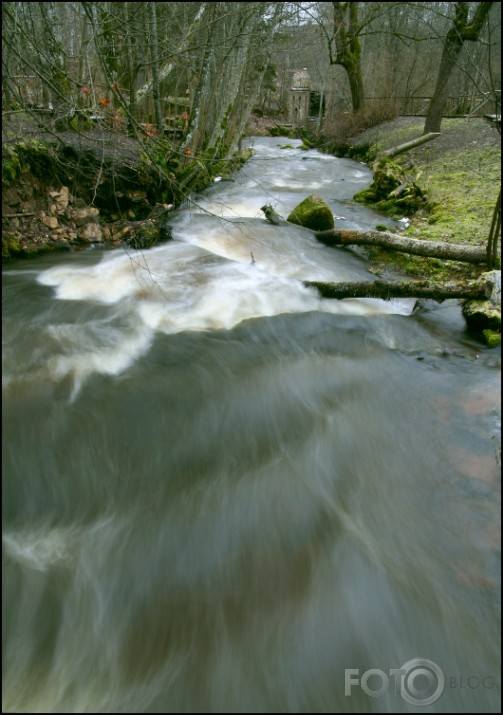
(68,190)
(460,174)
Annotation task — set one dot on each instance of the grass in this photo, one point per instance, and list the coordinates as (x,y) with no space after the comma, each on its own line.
(460,172)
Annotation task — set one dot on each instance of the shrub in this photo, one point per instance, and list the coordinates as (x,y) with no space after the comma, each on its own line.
(347,125)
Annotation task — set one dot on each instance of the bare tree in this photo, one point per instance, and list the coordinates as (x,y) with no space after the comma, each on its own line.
(154,45)
(464,28)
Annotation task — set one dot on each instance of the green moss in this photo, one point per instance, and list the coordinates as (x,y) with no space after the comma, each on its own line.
(459,181)
(285,130)
(363,152)
(145,236)
(30,251)
(312,213)
(30,155)
(11,247)
(11,166)
(492,338)
(365,196)
(463,187)
(481,315)
(387,192)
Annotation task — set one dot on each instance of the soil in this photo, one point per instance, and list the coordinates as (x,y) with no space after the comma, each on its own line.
(102,141)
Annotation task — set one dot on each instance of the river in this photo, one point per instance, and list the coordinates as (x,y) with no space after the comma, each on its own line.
(222,493)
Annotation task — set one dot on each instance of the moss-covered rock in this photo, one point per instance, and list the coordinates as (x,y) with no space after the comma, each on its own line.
(492,338)
(284,130)
(144,234)
(481,315)
(312,213)
(11,247)
(391,191)
(484,316)
(11,166)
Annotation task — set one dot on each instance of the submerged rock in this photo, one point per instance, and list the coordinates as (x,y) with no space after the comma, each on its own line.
(312,213)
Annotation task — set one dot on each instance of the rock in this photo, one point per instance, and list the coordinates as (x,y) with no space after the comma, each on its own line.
(484,316)
(492,282)
(12,197)
(120,232)
(27,191)
(492,338)
(28,207)
(165,231)
(481,315)
(91,232)
(145,234)
(61,199)
(138,197)
(391,191)
(82,216)
(312,213)
(49,221)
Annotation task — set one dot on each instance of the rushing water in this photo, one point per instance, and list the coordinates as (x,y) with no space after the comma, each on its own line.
(221,492)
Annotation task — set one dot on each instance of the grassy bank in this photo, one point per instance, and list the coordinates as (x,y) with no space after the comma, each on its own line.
(460,172)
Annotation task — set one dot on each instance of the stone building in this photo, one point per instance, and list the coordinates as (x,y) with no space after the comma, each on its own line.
(298,98)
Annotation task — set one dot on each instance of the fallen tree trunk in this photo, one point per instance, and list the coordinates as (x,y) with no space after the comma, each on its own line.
(394,151)
(472,290)
(386,239)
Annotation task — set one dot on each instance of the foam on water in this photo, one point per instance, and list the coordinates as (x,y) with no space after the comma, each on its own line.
(219,272)
(185,287)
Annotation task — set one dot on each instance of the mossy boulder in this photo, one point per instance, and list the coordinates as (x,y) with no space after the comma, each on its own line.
(492,338)
(484,316)
(391,191)
(312,213)
(481,315)
(283,130)
(11,247)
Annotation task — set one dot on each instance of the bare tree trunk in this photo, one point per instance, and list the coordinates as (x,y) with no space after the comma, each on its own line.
(154,50)
(345,49)
(472,290)
(386,239)
(250,87)
(463,29)
(195,139)
(234,68)
(167,69)
(394,151)
(83,58)
(132,72)
(59,86)
(354,72)
(494,233)
(8,27)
